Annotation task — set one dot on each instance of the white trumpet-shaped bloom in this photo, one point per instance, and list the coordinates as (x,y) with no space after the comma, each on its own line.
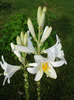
(19,48)
(9,70)
(55,51)
(44,65)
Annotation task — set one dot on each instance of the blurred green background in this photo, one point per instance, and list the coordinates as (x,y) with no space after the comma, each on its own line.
(59,15)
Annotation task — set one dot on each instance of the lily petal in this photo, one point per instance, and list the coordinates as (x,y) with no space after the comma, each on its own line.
(17,53)
(38,59)
(57,63)
(8,80)
(22,48)
(33,64)
(5,80)
(33,70)
(4,64)
(11,69)
(51,73)
(30,42)
(38,75)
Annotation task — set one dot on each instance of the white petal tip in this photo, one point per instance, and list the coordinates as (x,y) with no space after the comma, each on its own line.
(36,79)
(12,46)
(65,62)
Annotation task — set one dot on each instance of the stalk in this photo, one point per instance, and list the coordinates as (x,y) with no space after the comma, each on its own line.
(26,84)
(38,90)
(38,83)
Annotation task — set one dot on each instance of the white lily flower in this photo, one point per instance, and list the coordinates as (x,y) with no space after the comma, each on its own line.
(9,70)
(55,51)
(44,65)
(46,33)
(19,48)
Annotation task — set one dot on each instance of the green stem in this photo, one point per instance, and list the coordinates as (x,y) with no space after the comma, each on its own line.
(38,42)
(38,83)
(38,90)
(26,84)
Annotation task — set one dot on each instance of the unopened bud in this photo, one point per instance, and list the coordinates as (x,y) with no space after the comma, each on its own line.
(18,40)
(46,35)
(22,36)
(42,20)
(25,39)
(31,28)
(44,9)
(39,14)
(22,60)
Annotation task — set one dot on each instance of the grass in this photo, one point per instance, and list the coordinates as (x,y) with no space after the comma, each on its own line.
(62,87)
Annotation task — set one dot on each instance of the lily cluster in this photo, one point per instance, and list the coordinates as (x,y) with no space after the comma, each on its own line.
(54,55)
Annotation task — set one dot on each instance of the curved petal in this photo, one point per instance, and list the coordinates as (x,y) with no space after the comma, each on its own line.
(51,73)
(17,53)
(38,59)
(11,69)
(3,59)
(51,56)
(22,48)
(57,63)
(12,72)
(33,70)
(5,80)
(60,53)
(8,80)
(38,75)
(30,42)
(4,66)
(33,64)
(64,60)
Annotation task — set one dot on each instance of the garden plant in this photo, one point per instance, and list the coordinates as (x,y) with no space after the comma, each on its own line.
(32,43)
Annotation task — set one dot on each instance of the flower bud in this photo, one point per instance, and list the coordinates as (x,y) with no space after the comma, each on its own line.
(18,40)
(22,60)
(31,28)
(22,36)
(46,35)
(25,39)
(42,20)
(44,9)
(39,14)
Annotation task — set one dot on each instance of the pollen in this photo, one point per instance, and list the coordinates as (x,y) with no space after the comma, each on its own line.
(5,72)
(45,66)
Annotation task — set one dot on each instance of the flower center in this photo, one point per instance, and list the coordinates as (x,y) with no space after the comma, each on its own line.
(5,72)
(45,66)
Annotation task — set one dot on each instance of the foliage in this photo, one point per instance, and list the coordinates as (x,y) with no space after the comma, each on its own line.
(11,29)
(4,4)
(62,88)
(17,24)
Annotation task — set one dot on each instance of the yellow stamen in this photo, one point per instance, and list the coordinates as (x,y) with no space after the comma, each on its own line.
(5,72)
(45,66)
